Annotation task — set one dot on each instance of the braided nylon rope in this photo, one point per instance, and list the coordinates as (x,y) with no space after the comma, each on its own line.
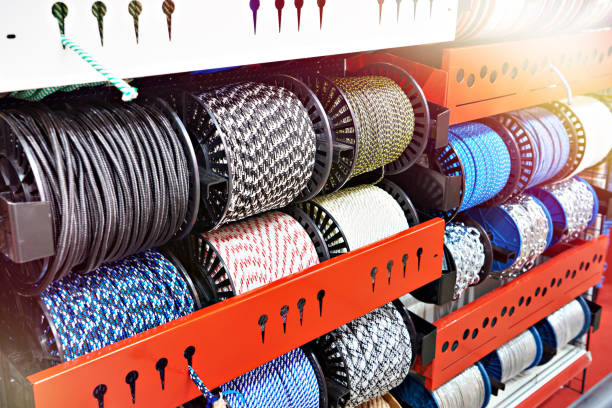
(377,402)
(567,322)
(384,119)
(115,301)
(365,214)
(288,382)
(577,201)
(467,390)
(262,249)
(128,91)
(485,160)
(517,354)
(468,253)
(377,350)
(271,146)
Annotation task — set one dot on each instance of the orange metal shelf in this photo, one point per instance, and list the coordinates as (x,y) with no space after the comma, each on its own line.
(549,388)
(470,333)
(227,336)
(484,80)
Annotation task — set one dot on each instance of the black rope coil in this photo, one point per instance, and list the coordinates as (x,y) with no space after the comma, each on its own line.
(118,179)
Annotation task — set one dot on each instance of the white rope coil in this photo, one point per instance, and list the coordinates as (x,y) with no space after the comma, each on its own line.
(517,354)
(365,214)
(577,201)
(467,390)
(596,119)
(262,249)
(468,253)
(567,322)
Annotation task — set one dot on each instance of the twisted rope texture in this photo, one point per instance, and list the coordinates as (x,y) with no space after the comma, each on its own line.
(116,301)
(270,143)
(263,249)
(288,381)
(567,322)
(377,350)
(467,390)
(365,214)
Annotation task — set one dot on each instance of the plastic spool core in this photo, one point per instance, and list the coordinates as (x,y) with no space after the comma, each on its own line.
(422,122)
(345,133)
(335,240)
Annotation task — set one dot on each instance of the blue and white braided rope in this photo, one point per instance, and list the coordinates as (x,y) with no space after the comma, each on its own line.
(128,91)
(115,301)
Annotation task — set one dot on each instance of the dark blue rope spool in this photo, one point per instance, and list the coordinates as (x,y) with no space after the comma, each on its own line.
(494,366)
(412,391)
(114,302)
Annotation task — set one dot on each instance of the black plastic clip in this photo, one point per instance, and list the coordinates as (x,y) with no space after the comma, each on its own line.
(595,314)
(496,386)
(425,338)
(439,123)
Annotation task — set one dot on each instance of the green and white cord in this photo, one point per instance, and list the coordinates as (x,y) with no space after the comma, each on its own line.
(128,91)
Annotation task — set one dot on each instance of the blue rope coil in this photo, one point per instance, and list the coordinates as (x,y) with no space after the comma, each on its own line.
(551,142)
(485,161)
(288,381)
(114,302)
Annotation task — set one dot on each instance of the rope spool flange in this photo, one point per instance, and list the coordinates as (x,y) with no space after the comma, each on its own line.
(208,267)
(218,163)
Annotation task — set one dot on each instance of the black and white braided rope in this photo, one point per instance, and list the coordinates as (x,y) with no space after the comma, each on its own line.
(270,144)
(377,350)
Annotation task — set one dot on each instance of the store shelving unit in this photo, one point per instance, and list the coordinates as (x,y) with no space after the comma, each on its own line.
(336,292)
(483,80)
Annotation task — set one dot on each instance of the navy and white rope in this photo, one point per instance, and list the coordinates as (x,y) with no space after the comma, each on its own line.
(485,161)
(288,381)
(115,301)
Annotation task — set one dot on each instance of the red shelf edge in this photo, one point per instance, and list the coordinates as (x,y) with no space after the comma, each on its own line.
(229,330)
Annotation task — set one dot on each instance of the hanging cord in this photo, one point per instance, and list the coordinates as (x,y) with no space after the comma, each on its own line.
(468,253)
(377,350)
(114,302)
(533,228)
(128,91)
(467,390)
(262,249)
(384,119)
(551,143)
(516,355)
(596,121)
(577,202)
(287,381)
(485,160)
(116,179)
(567,323)
(365,214)
(271,147)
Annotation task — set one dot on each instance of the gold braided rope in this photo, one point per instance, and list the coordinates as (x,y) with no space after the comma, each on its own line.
(383,116)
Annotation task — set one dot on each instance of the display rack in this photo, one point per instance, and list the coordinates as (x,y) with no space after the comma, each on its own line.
(470,333)
(200,35)
(483,80)
(228,337)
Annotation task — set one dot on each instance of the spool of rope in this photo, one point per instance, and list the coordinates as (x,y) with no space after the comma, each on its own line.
(378,402)
(521,225)
(358,216)
(521,353)
(119,179)
(468,253)
(567,324)
(478,154)
(572,205)
(371,115)
(256,145)
(245,255)
(470,389)
(287,381)
(83,313)
(369,355)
